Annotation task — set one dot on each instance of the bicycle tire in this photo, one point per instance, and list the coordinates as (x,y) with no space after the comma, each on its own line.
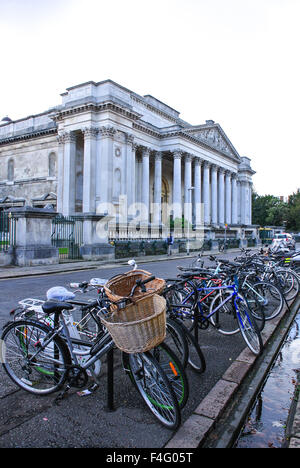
(154,387)
(291,283)
(174,371)
(271,298)
(176,340)
(36,370)
(248,328)
(224,319)
(255,306)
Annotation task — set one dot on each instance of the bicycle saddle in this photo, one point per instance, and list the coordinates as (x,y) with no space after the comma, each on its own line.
(50,307)
(187,274)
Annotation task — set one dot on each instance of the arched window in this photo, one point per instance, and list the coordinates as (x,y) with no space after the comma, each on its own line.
(10,170)
(52,165)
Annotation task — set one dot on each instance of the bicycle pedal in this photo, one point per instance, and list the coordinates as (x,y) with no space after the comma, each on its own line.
(61,395)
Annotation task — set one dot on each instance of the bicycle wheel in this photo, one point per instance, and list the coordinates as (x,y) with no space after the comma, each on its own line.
(154,387)
(248,327)
(174,371)
(289,282)
(223,312)
(183,296)
(256,307)
(36,368)
(89,326)
(176,340)
(270,297)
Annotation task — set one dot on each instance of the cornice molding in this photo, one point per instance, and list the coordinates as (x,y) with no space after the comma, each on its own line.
(91,107)
(28,136)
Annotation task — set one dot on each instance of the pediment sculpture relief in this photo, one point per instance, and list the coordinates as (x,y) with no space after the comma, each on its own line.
(214,138)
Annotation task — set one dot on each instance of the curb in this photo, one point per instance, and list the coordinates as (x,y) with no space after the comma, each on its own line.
(217,420)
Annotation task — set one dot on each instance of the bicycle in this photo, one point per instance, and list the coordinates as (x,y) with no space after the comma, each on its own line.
(234,309)
(41,358)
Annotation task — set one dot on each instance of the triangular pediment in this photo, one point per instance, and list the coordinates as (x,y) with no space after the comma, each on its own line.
(10,199)
(215,137)
(46,197)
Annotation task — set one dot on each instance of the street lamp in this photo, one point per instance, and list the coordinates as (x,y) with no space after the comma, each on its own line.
(188,221)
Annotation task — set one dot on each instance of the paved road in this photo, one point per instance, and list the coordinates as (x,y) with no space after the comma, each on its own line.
(29,421)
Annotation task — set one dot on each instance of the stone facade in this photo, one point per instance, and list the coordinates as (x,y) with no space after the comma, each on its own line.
(105,144)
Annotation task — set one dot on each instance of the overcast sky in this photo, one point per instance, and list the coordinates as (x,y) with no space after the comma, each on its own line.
(233,61)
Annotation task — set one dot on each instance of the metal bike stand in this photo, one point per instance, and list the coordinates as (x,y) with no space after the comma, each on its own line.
(110,382)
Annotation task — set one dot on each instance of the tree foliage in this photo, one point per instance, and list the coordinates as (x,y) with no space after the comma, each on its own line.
(268,210)
(293,218)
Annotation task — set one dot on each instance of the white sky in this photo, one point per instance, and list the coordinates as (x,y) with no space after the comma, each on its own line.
(233,61)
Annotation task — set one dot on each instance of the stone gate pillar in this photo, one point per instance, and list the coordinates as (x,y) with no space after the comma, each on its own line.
(33,237)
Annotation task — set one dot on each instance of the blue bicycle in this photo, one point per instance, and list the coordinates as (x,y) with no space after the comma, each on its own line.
(227,311)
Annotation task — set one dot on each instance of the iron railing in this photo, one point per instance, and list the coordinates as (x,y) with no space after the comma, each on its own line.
(7,231)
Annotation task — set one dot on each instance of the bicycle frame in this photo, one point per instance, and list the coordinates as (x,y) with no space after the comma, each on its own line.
(234,295)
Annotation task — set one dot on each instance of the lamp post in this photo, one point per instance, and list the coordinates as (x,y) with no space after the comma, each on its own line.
(188,221)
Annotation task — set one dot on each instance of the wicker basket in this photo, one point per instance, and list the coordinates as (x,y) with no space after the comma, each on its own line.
(138,327)
(120,286)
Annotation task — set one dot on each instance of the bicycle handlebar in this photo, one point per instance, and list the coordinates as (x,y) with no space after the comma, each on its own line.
(140,283)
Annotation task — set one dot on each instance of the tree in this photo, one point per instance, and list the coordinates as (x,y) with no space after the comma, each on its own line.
(293,216)
(268,210)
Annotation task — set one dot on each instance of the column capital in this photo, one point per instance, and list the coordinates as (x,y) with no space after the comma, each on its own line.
(214,167)
(234,176)
(90,132)
(158,155)
(60,138)
(188,157)
(177,154)
(198,161)
(145,151)
(228,173)
(129,138)
(221,170)
(68,137)
(107,131)
(206,164)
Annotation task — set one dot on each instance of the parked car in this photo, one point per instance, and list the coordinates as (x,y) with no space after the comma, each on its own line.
(284,239)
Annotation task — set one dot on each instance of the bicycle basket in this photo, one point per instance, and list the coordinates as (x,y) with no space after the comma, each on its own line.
(140,326)
(120,286)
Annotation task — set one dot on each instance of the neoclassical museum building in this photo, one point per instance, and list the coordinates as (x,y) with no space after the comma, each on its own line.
(107,151)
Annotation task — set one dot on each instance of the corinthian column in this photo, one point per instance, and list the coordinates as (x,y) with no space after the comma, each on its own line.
(206,193)
(228,197)
(250,202)
(130,170)
(234,205)
(145,183)
(89,170)
(187,186)
(157,188)
(197,192)
(214,195)
(69,174)
(177,203)
(60,173)
(221,196)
